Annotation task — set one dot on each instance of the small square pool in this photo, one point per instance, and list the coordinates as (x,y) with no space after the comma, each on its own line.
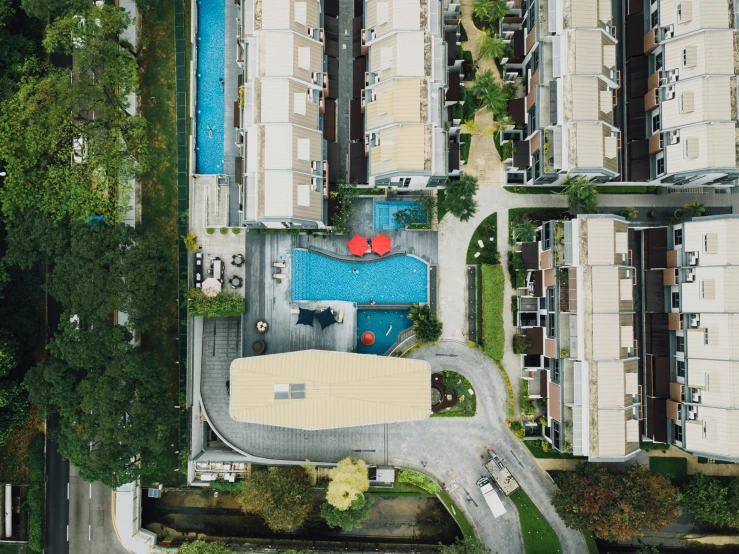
(385,324)
(385,210)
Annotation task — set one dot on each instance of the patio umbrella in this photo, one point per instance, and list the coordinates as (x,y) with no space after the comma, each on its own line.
(325,318)
(357,245)
(211,287)
(381,244)
(305,317)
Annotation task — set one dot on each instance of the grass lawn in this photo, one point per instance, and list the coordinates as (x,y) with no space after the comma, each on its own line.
(13,548)
(454,382)
(590,541)
(159,195)
(457,514)
(675,469)
(493,334)
(538,535)
(537,452)
(487,229)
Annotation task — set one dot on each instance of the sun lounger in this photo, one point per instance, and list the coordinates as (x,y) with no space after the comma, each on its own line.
(278,276)
(340,318)
(295,311)
(278,264)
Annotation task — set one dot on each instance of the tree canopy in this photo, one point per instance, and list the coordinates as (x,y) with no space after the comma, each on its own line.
(490,46)
(281,495)
(459,197)
(467,546)
(488,92)
(615,506)
(353,517)
(426,326)
(202,547)
(489,12)
(712,501)
(524,230)
(113,406)
(582,195)
(349,479)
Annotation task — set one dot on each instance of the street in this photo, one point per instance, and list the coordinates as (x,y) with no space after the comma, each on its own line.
(57,505)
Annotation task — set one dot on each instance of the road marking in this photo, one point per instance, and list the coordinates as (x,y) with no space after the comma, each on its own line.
(67,533)
(89,532)
(90,490)
(67,491)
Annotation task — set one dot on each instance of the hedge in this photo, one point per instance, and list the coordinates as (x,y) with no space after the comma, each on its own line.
(465,140)
(35,500)
(225,486)
(419,480)
(493,293)
(224,304)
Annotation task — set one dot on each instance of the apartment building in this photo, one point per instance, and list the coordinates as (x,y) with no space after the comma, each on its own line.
(280,114)
(565,58)
(577,312)
(691,321)
(411,77)
(681,100)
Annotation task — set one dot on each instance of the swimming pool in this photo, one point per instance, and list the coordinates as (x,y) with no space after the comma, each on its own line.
(384,210)
(400,279)
(379,322)
(211,61)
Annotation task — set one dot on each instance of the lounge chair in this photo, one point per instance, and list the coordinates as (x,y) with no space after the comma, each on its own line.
(278,276)
(295,311)
(278,264)
(340,317)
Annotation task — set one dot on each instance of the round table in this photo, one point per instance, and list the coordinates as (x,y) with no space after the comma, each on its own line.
(262,326)
(259,347)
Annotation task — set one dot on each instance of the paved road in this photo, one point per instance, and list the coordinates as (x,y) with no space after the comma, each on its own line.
(91,529)
(450,447)
(57,507)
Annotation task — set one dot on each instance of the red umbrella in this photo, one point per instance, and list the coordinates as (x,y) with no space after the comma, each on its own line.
(357,245)
(381,244)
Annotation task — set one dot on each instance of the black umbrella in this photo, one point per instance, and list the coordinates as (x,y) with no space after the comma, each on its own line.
(325,318)
(305,317)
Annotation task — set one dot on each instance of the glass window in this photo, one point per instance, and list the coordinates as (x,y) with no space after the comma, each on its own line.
(660,166)
(680,366)
(655,123)
(680,344)
(678,237)
(655,18)
(678,432)
(658,61)
(555,369)
(532,120)
(555,433)
(705,337)
(676,300)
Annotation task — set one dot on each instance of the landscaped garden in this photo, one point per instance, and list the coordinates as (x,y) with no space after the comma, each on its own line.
(675,469)
(493,295)
(487,234)
(456,397)
(538,535)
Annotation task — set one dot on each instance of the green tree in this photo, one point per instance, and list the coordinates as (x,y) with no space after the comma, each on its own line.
(487,91)
(489,12)
(490,46)
(582,195)
(349,480)
(696,207)
(710,500)
(36,239)
(353,517)
(469,545)
(281,495)
(615,506)
(224,304)
(8,353)
(113,406)
(459,197)
(202,547)
(44,9)
(14,407)
(426,326)
(345,211)
(524,230)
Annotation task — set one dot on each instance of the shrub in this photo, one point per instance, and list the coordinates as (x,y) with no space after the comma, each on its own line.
(582,195)
(520,344)
(267,231)
(527,403)
(419,480)
(190,241)
(629,213)
(224,304)
(225,486)
(426,326)
(224,230)
(35,500)
(356,514)
(493,332)
(281,495)
(236,231)
(253,231)
(343,217)
(564,352)
(518,429)
(283,231)
(294,231)
(210,230)
(545,446)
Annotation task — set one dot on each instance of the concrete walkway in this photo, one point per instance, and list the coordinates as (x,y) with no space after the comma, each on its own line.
(470,44)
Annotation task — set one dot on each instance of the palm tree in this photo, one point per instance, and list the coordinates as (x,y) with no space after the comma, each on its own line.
(490,47)
(525,230)
(490,12)
(459,197)
(488,92)
(582,195)
(697,208)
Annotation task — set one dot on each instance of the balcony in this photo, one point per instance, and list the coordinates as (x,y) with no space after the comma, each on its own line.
(651,99)
(550,162)
(651,40)
(675,321)
(531,39)
(656,143)
(670,277)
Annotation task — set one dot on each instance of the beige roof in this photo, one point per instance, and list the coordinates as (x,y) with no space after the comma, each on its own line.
(290,194)
(712,52)
(696,100)
(587,99)
(616,433)
(592,146)
(606,237)
(340,389)
(612,289)
(398,55)
(612,334)
(715,431)
(715,338)
(402,147)
(287,146)
(612,383)
(296,15)
(726,233)
(288,54)
(386,16)
(703,146)
(397,101)
(717,380)
(715,289)
(581,13)
(696,14)
(286,101)
(590,52)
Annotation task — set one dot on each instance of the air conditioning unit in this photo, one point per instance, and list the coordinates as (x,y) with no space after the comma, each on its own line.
(692,412)
(316,77)
(309,95)
(695,321)
(670,92)
(675,136)
(312,32)
(668,32)
(674,75)
(692,258)
(315,166)
(689,275)
(372,96)
(696,396)
(371,34)
(314,184)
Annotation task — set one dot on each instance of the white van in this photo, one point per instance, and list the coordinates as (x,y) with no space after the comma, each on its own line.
(491,497)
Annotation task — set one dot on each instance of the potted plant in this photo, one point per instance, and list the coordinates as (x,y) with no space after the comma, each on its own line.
(679,214)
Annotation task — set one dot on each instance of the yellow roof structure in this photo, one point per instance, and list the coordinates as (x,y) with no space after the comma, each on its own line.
(316,389)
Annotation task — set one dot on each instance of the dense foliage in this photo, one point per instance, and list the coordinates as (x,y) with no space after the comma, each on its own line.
(582,195)
(202,547)
(281,495)
(345,210)
(349,481)
(467,546)
(616,506)
(35,499)
(426,325)
(224,304)
(459,197)
(712,501)
(353,517)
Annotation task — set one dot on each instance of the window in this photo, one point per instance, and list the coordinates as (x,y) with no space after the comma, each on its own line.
(690,56)
(676,300)
(555,434)
(678,432)
(655,18)
(678,237)
(679,12)
(679,344)
(555,369)
(550,299)
(705,337)
(287,392)
(536,163)
(658,61)
(660,166)
(680,368)
(532,120)
(655,123)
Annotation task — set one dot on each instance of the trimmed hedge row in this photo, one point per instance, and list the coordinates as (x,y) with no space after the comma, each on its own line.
(35,500)
(493,293)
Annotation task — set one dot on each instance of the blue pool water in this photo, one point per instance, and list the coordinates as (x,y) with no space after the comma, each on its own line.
(400,279)
(211,60)
(379,322)
(385,210)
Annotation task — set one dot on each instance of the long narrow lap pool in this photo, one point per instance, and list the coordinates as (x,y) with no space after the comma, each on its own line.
(396,280)
(211,63)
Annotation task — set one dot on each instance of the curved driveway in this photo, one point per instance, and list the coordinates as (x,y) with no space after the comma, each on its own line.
(450,447)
